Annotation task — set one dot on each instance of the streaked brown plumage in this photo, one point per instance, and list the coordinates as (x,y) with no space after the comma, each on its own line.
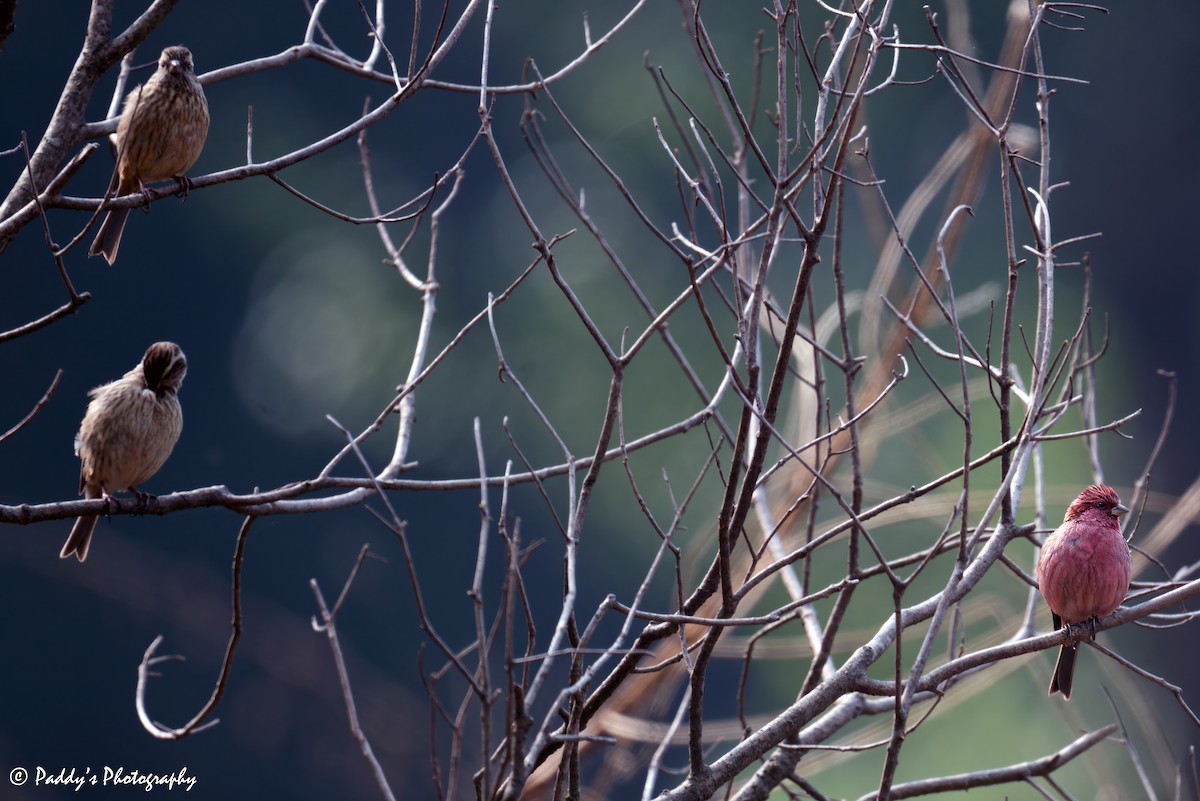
(129,430)
(161,133)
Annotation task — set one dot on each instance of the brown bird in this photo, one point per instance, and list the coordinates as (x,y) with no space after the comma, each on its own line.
(129,430)
(1084,570)
(161,133)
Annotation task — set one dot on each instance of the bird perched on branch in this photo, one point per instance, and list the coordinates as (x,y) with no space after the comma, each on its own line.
(129,430)
(161,133)
(1084,570)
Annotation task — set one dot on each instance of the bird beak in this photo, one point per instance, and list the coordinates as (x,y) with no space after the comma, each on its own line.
(173,66)
(1119,510)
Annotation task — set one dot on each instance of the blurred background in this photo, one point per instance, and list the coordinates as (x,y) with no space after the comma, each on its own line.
(287,315)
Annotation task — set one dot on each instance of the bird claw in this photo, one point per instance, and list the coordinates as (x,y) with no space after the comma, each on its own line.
(185,186)
(1083,630)
(148,194)
(143,498)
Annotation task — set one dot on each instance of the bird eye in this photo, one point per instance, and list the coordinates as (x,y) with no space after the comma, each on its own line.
(1101,505)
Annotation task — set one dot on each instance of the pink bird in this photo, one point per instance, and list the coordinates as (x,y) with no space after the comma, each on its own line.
(1084,569)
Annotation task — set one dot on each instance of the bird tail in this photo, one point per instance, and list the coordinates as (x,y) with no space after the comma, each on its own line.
(1064,671)
(108,239)
(80,538)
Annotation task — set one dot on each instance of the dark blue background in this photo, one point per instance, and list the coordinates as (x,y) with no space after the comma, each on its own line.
(197,273)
